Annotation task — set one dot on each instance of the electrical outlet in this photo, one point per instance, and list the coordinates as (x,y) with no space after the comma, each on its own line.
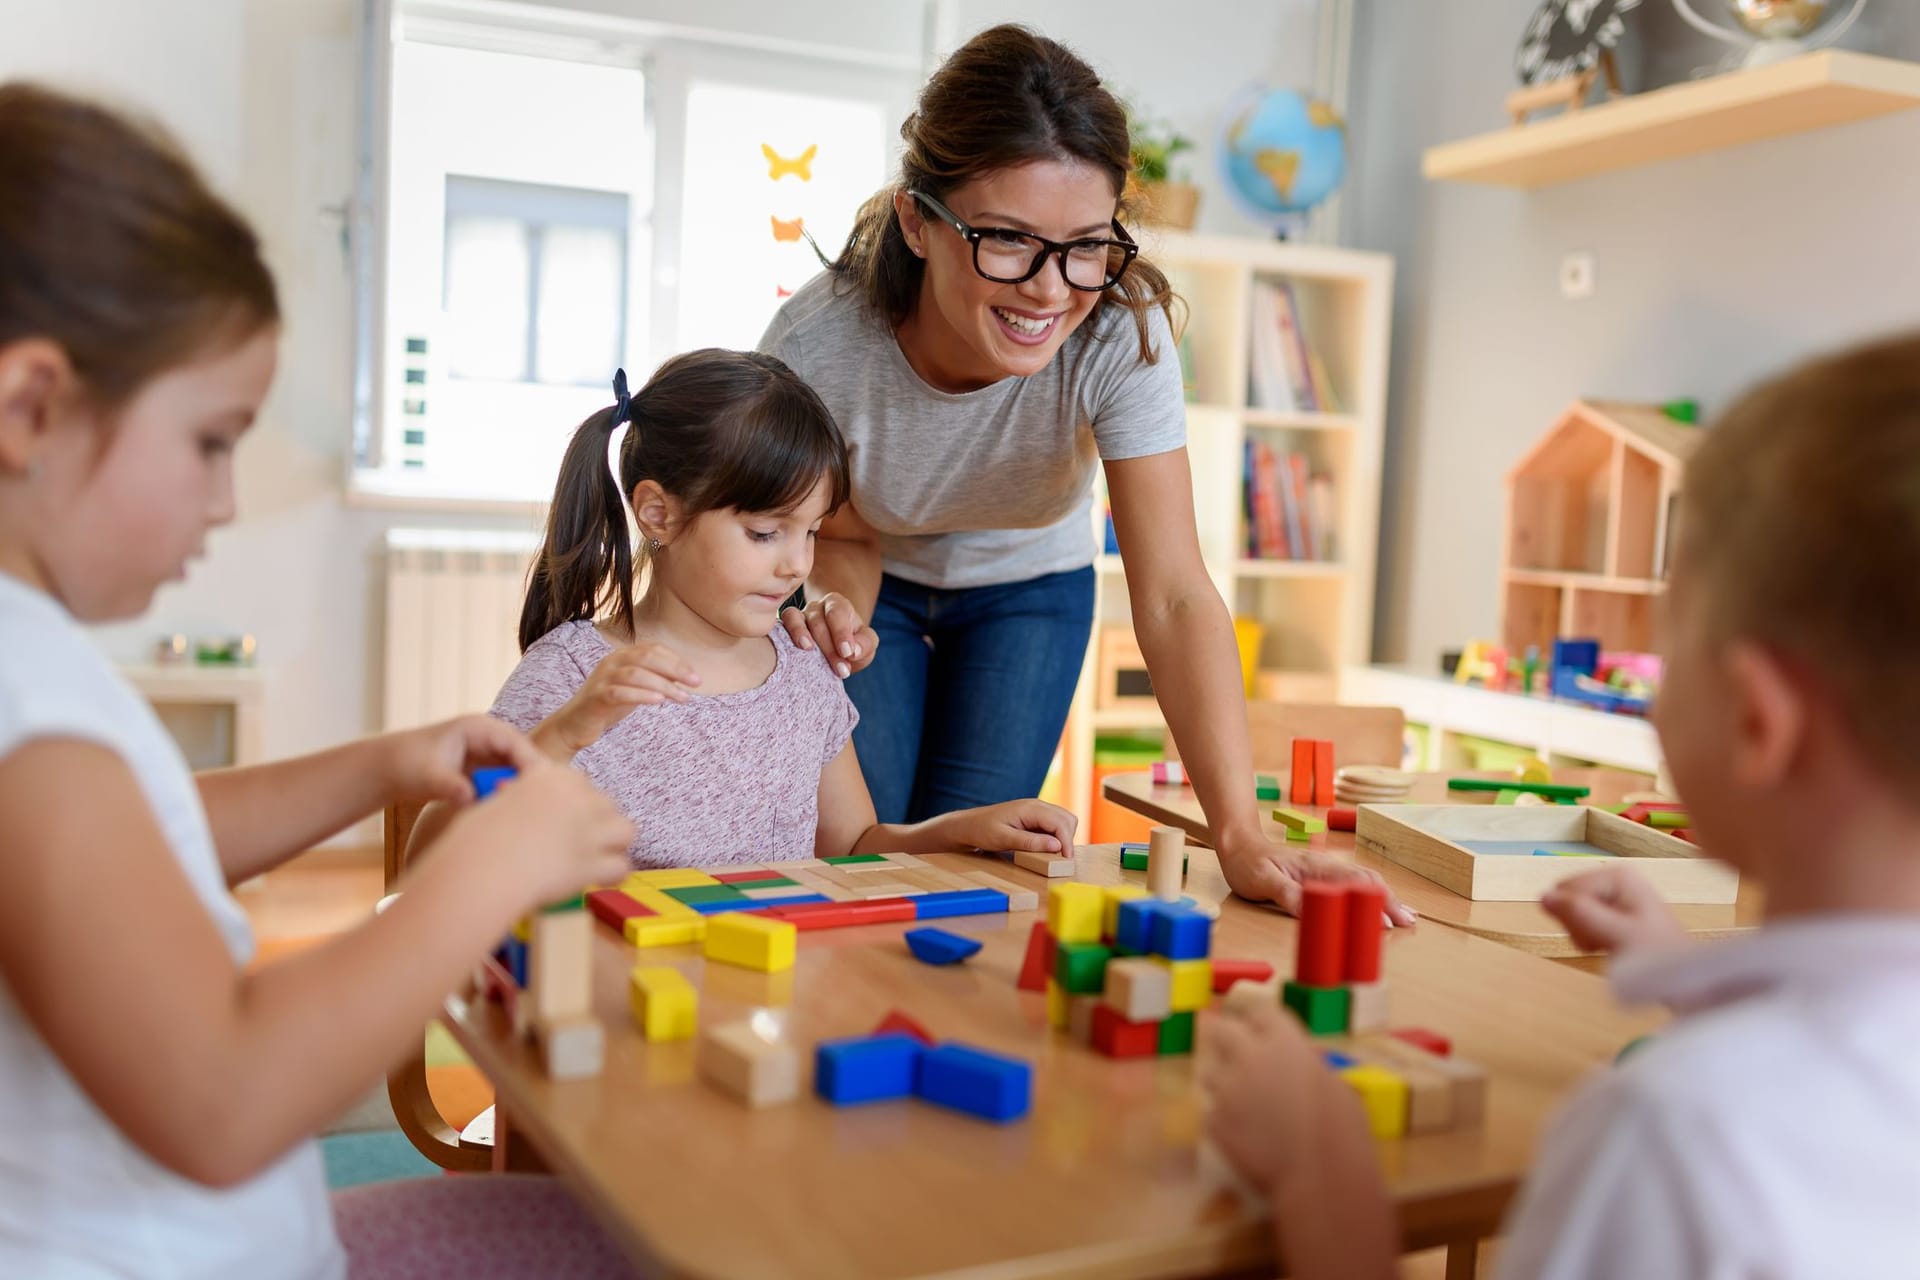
(1576,276)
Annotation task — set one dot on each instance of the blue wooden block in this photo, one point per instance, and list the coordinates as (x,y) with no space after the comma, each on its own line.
(866,1068)
(486,780)
(1338,1061)
(1181,933)
(516,959)
(937,946)
(977,1082)
(958,902)
(723,904)
(1133,931)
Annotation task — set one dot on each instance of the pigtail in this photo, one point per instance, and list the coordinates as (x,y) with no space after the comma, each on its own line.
(586,542)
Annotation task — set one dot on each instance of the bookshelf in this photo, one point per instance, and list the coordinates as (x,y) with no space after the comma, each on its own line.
(1317,614)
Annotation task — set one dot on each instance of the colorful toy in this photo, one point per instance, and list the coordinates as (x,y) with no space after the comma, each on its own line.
(1166,863)
(976,1082)
(1149,967)
(749,1061)
(866,1068)
(1313,774)
(937,946)
(1168,773)
(1134,857)
(665,1005)
(751,942)
(1266,787)
(898,1021)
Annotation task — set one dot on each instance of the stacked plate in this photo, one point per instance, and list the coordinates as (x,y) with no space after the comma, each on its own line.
(1359,784)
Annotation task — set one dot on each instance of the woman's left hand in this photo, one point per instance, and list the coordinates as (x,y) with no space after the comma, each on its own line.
(833,626)
(432,763)
(1259,870)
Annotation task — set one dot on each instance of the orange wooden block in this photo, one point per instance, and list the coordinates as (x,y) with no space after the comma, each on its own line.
(1302,789)
(1322,772)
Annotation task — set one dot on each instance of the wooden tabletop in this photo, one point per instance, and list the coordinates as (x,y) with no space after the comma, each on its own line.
(1105,1178)
(1516,924)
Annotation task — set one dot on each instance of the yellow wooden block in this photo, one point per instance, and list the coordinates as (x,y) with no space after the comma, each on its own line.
(665,1004)
(1192,982)
(1074,911)
(656,901)
(1383,1095)
(1057,1006)
(1112,896)
(665,931)
(752,942)
(671,878)
(523,928)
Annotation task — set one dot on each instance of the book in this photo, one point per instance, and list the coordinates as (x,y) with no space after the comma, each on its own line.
(1294,498)
(1269,506)
(1268,386)
(1294,348)
(1324,517)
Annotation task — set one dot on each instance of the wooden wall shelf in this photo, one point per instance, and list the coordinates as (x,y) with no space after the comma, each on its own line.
(1812,91)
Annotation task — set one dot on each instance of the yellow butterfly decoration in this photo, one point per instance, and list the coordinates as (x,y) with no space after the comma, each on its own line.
(778,166)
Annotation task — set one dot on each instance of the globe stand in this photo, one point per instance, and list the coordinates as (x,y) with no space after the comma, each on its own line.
(1568,91)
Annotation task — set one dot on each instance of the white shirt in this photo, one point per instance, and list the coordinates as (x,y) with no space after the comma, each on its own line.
(1772,1131)
(76,1198)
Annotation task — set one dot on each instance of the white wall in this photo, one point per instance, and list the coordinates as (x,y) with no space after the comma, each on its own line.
(1710,272)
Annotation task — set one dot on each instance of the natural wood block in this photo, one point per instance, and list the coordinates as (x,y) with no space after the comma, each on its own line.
(1366,1006)
(760,1071)
(1166,863)
(1080,1011)
(1467,1081)
(570,1048)
(560,965)
(1140,988)
(1050,865)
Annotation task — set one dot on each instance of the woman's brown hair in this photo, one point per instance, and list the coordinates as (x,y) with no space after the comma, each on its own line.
(113,246)
(716,429)
(1007,97)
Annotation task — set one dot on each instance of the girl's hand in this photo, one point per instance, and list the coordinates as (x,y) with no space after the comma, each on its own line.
(1033,825)
(1272,1095)
(833,626)
(1613,909)
(433,763)
(1258,870)
(548,832)
(636,675)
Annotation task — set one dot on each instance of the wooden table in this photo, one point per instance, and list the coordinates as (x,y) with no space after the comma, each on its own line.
(1106,1178)
(1517,924)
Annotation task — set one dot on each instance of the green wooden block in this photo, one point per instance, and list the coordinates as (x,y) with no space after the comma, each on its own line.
(1132,861)
(1551,790)
(578,902)
(1266,787)
(848,858)
(1323,1009)
(1666,821)
(1295,834)
(690,894)
(1507,795)
(1081,967)
(1294,820)
(1176,1034)
(771,882)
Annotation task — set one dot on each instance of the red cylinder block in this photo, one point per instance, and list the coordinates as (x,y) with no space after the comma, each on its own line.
(1366,922)
(1323,934)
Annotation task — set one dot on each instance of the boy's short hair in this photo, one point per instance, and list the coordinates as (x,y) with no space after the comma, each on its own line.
(1800,529)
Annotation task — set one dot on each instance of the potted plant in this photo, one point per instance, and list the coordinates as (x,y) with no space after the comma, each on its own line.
(1156,194)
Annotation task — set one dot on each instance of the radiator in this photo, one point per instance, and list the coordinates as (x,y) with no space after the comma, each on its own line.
(453,615)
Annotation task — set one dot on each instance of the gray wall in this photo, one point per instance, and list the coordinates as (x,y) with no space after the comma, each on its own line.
(1710,272)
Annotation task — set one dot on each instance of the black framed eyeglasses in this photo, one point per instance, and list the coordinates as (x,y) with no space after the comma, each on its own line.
(1006,256)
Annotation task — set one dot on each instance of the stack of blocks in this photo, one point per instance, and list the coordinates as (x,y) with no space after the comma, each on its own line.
(1312,772)
(1336,983)
(1122,970)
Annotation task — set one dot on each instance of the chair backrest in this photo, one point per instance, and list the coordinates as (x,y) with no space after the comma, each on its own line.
(1360,735)
(399,827)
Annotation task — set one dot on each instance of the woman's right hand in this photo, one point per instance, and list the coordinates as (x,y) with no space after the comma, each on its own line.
(550,830)
(833,626)
(635,675)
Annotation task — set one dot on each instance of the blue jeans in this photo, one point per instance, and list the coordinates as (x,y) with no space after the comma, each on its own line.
(968,692)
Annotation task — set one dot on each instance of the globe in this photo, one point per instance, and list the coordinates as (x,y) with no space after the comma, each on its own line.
(1281,153)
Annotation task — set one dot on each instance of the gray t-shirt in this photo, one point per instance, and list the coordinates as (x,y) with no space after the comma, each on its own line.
(993,485)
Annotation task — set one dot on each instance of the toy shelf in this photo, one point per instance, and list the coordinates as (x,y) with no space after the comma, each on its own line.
(1812,91)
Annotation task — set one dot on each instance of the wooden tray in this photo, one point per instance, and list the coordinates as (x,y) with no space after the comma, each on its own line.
(1446,843)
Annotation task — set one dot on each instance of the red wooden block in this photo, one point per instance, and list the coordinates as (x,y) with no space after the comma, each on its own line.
(1419,1037)
(840,915)
(898,1021)
(1322,771)
(1302,791)
(1636,813)
(1228,972)
(614,908)
(1114,1036)
(1683,833)
(744,877)
(1041,953)
(1343,819)
(1366,922)
(1322,956)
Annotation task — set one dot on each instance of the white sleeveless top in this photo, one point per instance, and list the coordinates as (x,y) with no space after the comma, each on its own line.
(76,1198)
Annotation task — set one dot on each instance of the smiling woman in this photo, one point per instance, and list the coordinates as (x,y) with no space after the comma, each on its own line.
(987,337)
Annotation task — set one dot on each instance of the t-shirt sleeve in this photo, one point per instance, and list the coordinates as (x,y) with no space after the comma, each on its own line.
(1136,408)
(547,675)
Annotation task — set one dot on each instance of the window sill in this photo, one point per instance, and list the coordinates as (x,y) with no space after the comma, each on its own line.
(383,491)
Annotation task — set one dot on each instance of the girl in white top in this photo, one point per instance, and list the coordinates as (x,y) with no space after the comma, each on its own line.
(158,1095)
(1774,1129)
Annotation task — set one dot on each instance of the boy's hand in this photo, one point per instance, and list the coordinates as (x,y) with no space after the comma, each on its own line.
(636,675)
(548,831)
(1274,1099)
(1033,825)
(1613,909)
(432,763)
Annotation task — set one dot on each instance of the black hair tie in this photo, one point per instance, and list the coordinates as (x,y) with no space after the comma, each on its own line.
(622,402)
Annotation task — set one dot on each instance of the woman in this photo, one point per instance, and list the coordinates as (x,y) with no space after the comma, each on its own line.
(986,336)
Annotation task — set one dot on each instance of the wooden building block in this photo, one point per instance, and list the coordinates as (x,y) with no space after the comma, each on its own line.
(1294,820)
(560,966)
(1057,1008)
(751,942)
(1468,1083)
(760,1071)
(1166,863)
(671,878)
(665,931)
(1366,928)
(1051,865)
(1192,982)
(1176,1034)
(1366,1007)
(1301,792)
(1075,912)
(1081,967)
(1243,996)
(898,1021)
(1227,972)
(1116,1037)
(571,1048)
(1114,895)
(1080,1017)
(613,908)
(1421,1038)
(1383,1096)
(665,1005)
(1322,772)
(1322,1009)
(1343,819)
(1037,967)
(658,902)
(1322,935)
(1140,989)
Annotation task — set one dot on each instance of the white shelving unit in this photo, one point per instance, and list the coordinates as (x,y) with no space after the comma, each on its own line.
(1318,615)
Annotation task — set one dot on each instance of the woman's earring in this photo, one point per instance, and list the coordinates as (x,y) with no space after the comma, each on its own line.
(653,544)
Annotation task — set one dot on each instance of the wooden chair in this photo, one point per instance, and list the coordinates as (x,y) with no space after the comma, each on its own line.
(1360,735)
(407,1091)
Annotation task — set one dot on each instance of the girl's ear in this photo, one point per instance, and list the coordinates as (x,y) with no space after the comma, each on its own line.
(658,513)
(912,225)
(34,377)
